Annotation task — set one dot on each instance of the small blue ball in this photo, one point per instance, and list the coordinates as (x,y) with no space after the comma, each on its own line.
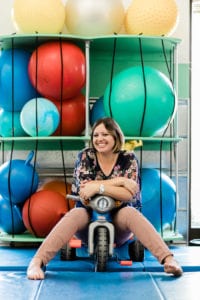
(97,111)
(39,117)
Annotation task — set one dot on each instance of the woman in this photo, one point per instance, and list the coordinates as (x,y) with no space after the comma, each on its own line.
(105,168)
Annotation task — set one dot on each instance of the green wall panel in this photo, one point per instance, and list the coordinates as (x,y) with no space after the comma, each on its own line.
(184,81)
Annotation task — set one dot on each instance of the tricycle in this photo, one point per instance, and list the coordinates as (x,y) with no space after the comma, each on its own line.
(101,232)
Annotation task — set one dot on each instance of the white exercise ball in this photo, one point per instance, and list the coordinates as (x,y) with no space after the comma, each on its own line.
(94,17)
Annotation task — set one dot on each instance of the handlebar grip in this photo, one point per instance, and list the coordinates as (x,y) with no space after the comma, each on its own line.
(76,198)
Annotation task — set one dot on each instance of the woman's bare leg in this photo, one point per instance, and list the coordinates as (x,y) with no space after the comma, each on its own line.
(75,220)
(128,219)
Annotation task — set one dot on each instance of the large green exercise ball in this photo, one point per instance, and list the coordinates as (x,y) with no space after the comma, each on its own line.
(142,101)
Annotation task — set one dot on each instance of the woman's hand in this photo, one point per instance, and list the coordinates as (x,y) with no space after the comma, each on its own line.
(88,189)
(131,186)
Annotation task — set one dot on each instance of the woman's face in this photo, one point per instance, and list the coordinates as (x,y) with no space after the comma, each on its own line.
(103,141)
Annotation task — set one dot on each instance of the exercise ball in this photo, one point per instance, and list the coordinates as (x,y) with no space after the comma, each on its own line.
(10,217)
(72,116)
(15,88)
(10,124)
(97,111)
(18,179)
(60,69)
(60,187)
(42,211)
(91,18)
(36,16)
(141,107)
(157,186)
(39,117)
(155,17)
(55,185)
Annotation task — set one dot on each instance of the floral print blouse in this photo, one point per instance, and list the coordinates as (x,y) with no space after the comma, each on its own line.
(87,168)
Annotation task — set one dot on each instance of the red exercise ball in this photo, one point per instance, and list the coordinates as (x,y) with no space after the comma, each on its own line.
(57,70)
(42,211)
(72,118)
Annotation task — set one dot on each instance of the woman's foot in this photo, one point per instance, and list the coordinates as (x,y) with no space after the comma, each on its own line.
(34,270)
(171,266)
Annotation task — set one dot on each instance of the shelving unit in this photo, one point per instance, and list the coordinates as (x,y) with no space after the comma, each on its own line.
(105,55)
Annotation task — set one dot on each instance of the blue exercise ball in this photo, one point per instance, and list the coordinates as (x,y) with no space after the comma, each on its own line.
(97,111)
(11,220)
(142,101)
(10,124)
(15,88)
(18,179)
(157,186)
(39,117)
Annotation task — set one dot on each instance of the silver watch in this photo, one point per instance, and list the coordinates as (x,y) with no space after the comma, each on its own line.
(101,189)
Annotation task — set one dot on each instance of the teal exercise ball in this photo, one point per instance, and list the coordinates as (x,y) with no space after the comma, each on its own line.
(97,111)
(15,86)
(142,101)
(10,124)
(158,198)
(39,117)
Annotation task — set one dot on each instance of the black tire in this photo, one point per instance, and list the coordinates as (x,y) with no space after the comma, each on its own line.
(136,251)
(102,252)
(67,253)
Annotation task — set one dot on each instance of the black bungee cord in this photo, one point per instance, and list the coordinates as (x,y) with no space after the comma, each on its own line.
(61,119)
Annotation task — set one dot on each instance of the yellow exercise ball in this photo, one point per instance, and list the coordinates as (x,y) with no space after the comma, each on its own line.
(94,17)
(42,16)
(151,17)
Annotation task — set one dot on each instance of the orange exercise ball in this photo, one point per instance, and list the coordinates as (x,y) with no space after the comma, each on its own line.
(155,17)
(42,16)
(61,187)
(42,211)
(55,185)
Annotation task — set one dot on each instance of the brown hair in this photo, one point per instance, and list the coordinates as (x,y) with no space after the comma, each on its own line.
(113,129)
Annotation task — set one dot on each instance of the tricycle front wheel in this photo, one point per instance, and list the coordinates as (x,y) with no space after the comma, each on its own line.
(102,249)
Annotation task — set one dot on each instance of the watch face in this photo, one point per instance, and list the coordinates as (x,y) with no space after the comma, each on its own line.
(101,189)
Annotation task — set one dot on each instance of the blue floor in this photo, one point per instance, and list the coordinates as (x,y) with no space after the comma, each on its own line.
(77,280)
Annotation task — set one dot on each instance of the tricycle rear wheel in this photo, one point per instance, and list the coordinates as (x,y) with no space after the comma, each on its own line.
(136,251)
(67,253)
